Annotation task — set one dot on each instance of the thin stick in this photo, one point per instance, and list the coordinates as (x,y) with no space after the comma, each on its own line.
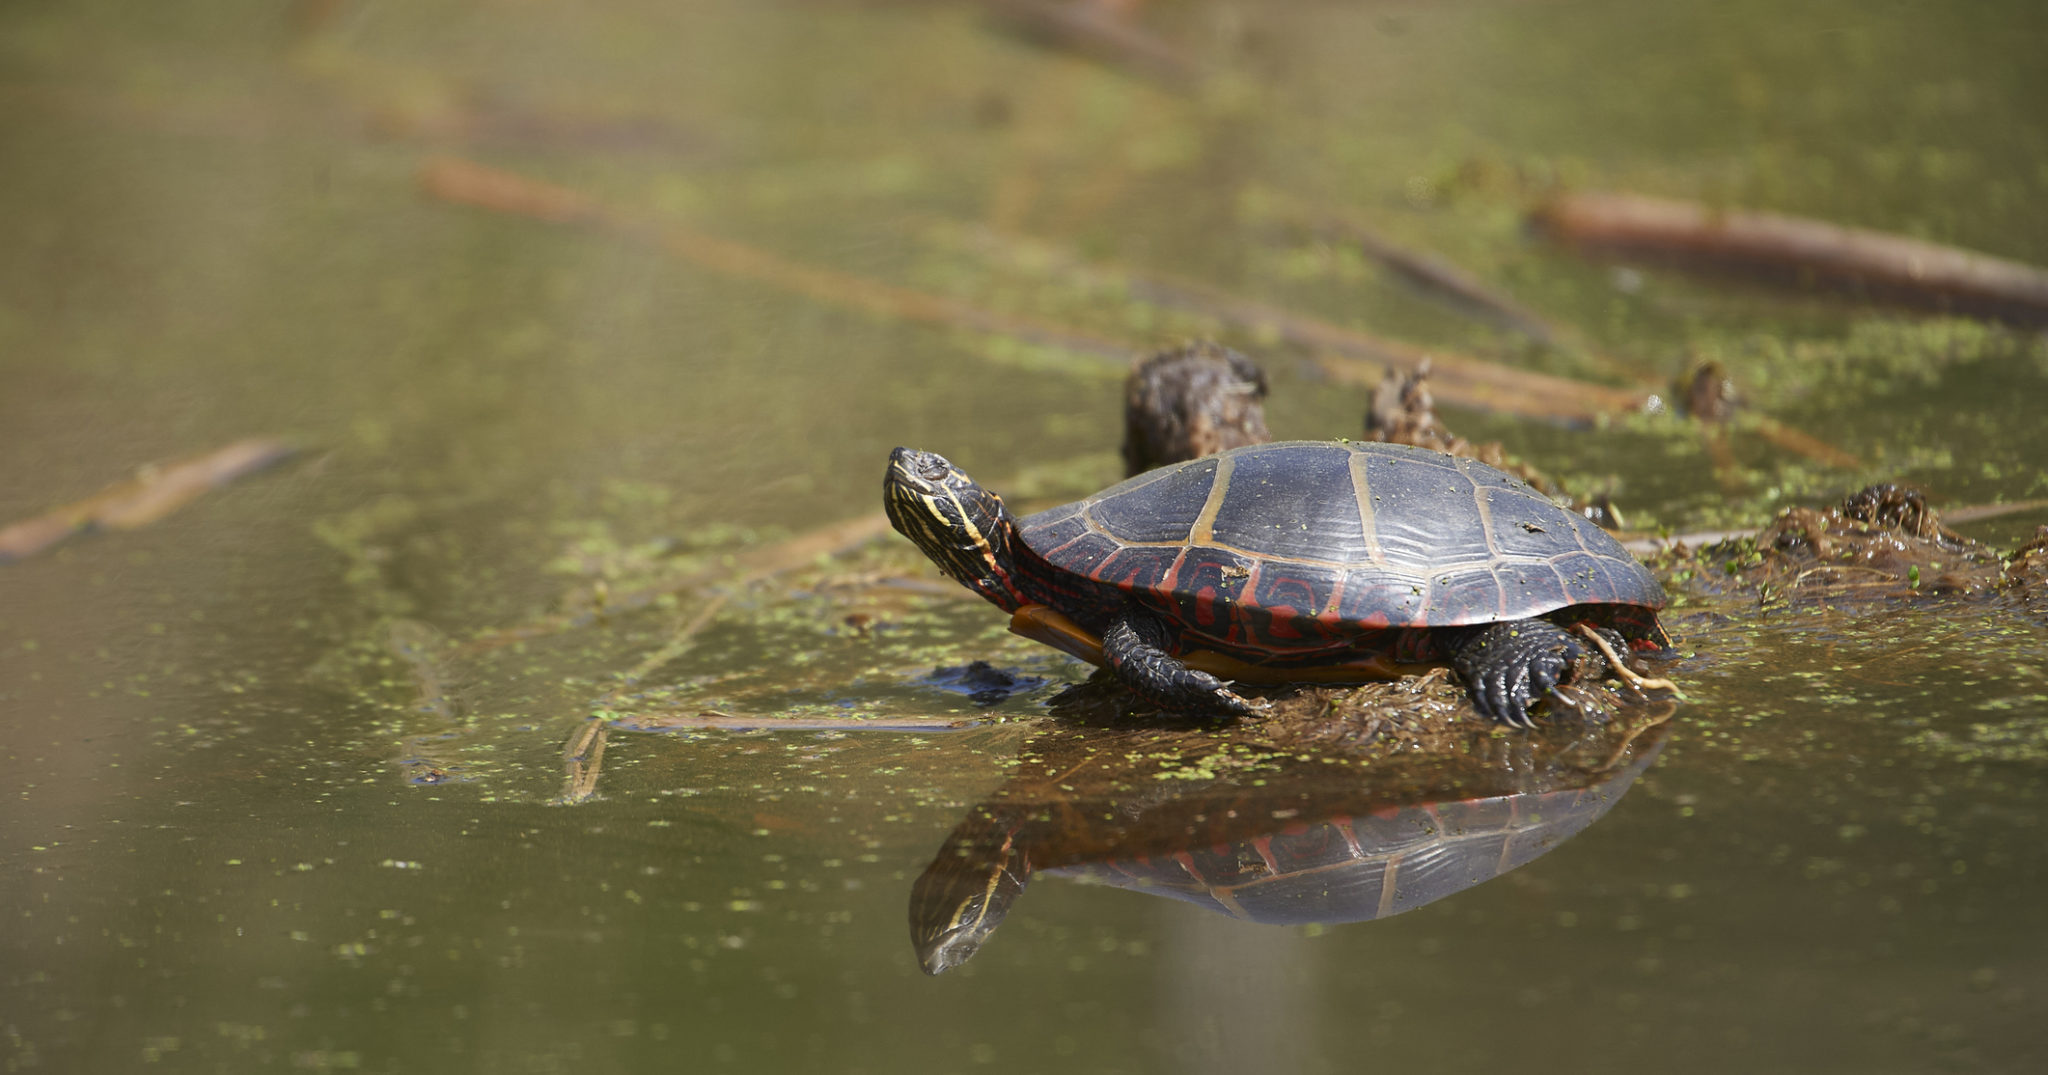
(1101,32)
(1347,355)
(1649,546)
(1468,382)
(1640,683)
(732,723)
(1460,379)
(1435,277)
(155,492)
(1977,512)
(582,762)
(465,182)
(1885,266)
(1427,272)
(1805,444)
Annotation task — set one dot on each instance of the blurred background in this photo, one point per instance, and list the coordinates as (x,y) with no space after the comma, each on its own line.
(587,329)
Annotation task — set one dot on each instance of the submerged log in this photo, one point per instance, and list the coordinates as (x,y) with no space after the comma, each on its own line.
(1885,267)
(1103,31)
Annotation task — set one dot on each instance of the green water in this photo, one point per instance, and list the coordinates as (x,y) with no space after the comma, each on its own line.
(286,793)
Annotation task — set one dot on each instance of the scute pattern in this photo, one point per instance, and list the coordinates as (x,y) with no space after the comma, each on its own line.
(1158,507)
(1425,512)
(1139,568)
(1291,505)
(1208,586)
(1297,604)
(1279,548)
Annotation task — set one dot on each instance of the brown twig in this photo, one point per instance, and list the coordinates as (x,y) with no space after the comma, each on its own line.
(1649,546)
(678,644)
(1638,682)
(1470,382)
(422,650)
(155,492)
(1979,512)
(1805,444)
(708,719)
(1346,355)
(1102,32)
(582,762)
(1436,277)
(1889,267)
(465,182)
(1426,272)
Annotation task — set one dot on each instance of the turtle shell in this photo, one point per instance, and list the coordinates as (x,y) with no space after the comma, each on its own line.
(1309,545)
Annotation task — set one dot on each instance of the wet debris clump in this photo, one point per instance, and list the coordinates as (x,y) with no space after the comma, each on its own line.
(1404,412)
(2026,573)
(1883,541)
(1189,402)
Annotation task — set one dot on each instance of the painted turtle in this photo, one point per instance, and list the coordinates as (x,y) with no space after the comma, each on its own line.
(1296,561)
(1288,842)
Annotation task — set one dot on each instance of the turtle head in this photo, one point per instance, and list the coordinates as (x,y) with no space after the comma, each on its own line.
(963,527)
(962,897)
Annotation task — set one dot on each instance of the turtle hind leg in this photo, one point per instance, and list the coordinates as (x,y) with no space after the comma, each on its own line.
(1136,646)
(1508,666)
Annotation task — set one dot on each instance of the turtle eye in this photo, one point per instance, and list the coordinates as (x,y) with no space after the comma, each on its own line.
(932,468)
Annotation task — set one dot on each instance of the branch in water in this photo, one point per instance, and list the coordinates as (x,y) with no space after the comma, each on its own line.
(155,492)
(1102,31)
(1648,546)
(714,720)
(464,182)
(1345,354)
(1887,267)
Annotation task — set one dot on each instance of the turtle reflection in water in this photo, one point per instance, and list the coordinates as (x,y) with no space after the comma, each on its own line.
(1262,833)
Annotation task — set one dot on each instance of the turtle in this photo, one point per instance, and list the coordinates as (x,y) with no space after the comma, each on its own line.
(1297,561)
(1289,841)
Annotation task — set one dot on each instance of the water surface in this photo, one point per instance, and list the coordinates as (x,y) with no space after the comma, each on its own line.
(301,776)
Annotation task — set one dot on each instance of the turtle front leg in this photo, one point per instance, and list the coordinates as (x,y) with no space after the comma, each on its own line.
(1508,666)
(1136,646)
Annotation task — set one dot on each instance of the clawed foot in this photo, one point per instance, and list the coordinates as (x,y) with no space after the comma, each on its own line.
(1199,694)
(1510,666)
(1136,646)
